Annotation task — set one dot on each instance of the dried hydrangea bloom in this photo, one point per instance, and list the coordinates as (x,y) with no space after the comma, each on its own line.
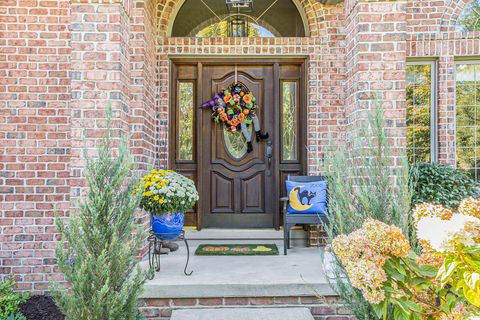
(429,256)
(470,207)
(431,210)
(364,252)
(369,278)
(385,239)
(349,248)
(459,312)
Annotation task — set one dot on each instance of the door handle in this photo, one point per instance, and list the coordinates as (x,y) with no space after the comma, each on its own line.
(269,156)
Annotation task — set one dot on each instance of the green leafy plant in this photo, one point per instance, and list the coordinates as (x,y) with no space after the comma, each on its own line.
(10,300)
(16,316)
(462,272)
(364,184)
(97,253)
(440,184)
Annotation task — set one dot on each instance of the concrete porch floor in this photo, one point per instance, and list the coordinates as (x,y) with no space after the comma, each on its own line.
(300,273)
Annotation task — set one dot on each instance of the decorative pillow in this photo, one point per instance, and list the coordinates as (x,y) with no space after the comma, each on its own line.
(307,197)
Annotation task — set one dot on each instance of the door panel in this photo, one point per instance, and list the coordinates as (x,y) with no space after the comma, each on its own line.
(240,190)
(235,189)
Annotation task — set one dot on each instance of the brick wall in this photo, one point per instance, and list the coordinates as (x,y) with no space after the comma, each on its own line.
(322,308)
(34,135)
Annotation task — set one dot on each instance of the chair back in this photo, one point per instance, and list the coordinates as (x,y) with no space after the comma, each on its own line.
(306,178)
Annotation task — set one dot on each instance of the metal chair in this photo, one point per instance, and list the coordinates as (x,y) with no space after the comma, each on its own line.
(290,220)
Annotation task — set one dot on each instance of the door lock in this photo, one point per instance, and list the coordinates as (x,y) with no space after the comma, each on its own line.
(269,156)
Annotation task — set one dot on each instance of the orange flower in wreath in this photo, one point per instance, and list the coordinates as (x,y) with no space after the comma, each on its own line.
(246,111)
(247,98)
(234,122)
(223,116)
(241,117)
(227,97)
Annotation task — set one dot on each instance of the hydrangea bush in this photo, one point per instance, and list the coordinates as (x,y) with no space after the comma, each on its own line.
(442,283)
(165,191)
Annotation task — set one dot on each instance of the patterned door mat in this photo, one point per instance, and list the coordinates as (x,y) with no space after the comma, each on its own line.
(237,250)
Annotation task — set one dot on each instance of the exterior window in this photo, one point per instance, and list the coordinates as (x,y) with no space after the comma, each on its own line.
(235,143)
(469,19)
(468,116)
(185,120)
(289,120)
(278,18)
(227,29)
(421,115)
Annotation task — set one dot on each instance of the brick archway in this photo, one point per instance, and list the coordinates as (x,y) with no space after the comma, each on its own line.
(450,16)
(310,10)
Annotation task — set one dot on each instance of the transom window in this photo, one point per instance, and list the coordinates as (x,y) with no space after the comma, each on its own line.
(469,19)
(238,18)
(468,116)
(421,114)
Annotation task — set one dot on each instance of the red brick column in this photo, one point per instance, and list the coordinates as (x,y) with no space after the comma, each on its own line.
(376,62)
(100,76)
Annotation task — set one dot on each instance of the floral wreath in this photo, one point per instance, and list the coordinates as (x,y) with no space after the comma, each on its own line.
(232,106)
(235,108)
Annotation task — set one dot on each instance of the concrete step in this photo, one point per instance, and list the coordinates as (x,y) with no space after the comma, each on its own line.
(297,274)
(243,314)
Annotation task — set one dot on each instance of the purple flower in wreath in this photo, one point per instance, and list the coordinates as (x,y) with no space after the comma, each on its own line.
(215,101)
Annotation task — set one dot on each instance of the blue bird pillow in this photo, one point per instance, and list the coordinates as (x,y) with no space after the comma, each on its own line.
(307,197)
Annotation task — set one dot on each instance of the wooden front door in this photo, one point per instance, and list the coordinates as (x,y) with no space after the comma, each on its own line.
(240,185)
(238,189)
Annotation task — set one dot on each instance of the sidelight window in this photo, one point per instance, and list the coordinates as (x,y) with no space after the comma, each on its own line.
(421,112)
(185,120)
(289,122)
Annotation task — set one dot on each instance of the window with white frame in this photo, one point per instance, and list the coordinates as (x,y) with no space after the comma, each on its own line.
(468,116)
(421,112)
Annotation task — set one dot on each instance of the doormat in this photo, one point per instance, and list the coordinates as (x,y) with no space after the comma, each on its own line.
(237,250)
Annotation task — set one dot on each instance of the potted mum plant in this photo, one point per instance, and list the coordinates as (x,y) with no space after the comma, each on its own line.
(167,195)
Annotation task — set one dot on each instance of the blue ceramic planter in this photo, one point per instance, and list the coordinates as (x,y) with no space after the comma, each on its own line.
(168,226)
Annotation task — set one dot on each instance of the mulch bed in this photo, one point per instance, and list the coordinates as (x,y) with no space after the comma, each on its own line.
(41,308)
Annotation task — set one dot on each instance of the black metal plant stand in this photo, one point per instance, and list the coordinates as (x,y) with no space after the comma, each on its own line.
(155,248)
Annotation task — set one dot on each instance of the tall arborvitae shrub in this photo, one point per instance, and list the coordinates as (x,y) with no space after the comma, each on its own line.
(365,182)
(97,253)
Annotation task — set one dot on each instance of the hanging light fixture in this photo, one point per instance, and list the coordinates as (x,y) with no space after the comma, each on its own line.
(238,27)
(237,6)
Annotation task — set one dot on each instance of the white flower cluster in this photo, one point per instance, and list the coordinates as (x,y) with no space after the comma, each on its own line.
(179,194)
(442,233)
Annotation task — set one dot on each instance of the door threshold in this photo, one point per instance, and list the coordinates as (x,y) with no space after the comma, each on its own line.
(242,234)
